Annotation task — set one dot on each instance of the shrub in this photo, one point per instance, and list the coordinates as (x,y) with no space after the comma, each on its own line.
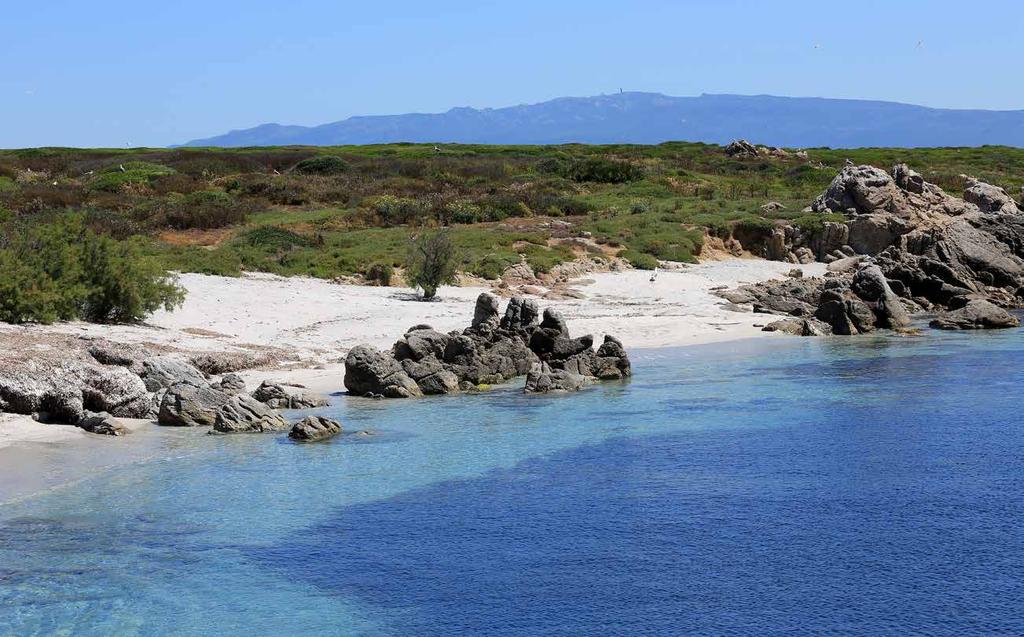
(322,165)
(640,260)
(115,177)
(204,209)
(603,170)
(492,266)
(380,273)
(431,262)
(62,270)
(394,211)
(121,285)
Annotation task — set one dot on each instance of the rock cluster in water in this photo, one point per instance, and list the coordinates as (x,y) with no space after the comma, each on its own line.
(906,247)
(493,349)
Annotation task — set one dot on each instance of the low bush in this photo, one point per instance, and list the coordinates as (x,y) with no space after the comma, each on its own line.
(603,170)
(322,165)
(380,273)
(205,210)
(115,177)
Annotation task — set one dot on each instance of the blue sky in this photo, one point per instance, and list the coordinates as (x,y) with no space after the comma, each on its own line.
(112,72)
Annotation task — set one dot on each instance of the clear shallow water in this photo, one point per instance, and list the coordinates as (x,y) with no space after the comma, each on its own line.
(860,486)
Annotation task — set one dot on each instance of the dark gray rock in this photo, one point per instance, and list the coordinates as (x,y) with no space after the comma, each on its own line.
(244,414)
(486,314)
(314,429)
(187,405)
(231,384)
(370,372)
(541,379)
(161,372)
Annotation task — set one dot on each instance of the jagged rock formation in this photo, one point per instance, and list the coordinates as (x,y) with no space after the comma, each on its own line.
(493,349)
(922,249)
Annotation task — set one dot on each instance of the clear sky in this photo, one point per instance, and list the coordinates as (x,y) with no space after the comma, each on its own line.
(114,72)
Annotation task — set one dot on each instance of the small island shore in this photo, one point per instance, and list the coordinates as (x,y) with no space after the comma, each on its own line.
(305,326)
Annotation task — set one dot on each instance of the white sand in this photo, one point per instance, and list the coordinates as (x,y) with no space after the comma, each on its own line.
(316,321)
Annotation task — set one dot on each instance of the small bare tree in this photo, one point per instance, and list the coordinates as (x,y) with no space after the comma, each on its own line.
(431,262)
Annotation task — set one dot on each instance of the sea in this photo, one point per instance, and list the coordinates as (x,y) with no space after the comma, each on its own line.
(776,486)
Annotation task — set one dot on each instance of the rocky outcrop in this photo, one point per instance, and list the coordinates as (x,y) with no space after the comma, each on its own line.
(977,314)
(314,428)
(160,372)
(231,384)
(922,250)
(188,405)
(495,348)
(369,372)
(283,396)
(244,414)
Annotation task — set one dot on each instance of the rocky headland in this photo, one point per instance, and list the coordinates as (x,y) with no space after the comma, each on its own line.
(905,248)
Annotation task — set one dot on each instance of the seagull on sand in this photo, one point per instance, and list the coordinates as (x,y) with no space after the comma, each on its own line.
(654,275)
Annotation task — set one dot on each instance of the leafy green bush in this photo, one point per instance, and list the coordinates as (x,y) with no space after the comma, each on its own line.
(322,165)
(394,211)
(115,177)
(62,270)
(640,260)
(431,262)
(121,285)
(603,170)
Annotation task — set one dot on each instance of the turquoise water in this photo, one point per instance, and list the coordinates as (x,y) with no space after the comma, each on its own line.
(851,486)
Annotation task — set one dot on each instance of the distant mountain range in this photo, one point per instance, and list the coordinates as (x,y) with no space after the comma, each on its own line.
(651,118)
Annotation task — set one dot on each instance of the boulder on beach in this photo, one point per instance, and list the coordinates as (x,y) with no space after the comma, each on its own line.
(314,428)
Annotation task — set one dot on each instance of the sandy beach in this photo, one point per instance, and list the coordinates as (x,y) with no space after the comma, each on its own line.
(310,323)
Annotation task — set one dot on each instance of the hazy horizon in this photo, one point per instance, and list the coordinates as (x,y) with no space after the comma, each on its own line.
(117,76)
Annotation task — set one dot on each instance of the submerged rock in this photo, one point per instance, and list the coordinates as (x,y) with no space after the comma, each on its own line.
(314,428)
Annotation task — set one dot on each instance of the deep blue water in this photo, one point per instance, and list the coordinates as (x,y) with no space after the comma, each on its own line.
(788,486)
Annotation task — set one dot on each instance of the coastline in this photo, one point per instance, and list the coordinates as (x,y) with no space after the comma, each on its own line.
(315,322)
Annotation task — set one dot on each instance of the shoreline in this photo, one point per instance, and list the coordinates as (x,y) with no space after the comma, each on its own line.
(315,322)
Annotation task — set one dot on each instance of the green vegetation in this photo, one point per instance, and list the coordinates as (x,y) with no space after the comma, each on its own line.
(61,270)
(329,212)
(431,262)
